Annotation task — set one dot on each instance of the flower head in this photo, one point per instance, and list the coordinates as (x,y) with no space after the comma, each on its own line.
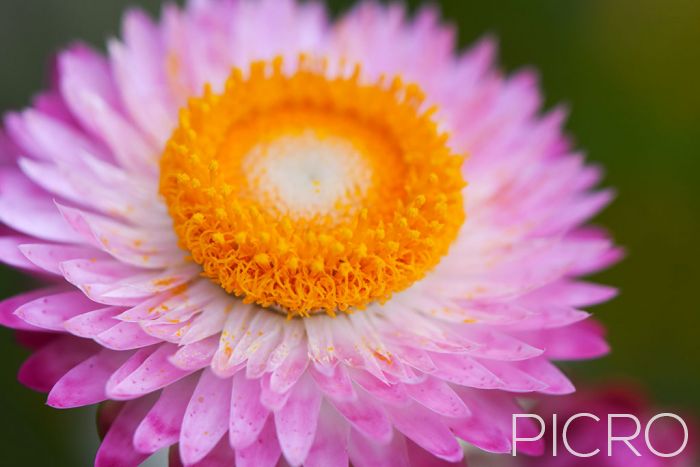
(256,230)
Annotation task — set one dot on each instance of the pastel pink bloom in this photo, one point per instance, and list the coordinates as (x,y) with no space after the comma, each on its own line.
(126,316)
(585,435)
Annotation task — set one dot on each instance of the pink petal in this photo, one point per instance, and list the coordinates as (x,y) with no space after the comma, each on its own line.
(543,370)
(222,455)
(95,276)
(489,426)
(93,323)
(207,323)
(330,446)
(366,416)
(248,415)
(11,255)
(514,380)
(394,394)
(236,325)
(48,256)
(263,452)
(117,449)
(548,317)
(81,67)
(291,369)
(42,370)
(126,336)
(497,345)
(45,137)
(197,355)
(337,386)
(88,88)
(18,197)
(206,417)
(161,304)
(296,421)
(9,305)
(130,245)
(580,210)
(580,340)
(364,452)
(85,383)
(427,430)
(140,71)
(161,427)
(51,178)
(130,365)
(51,311)
(8,149)
(465,371)
(422,458)
(439,397)
(269,398)
(574,294)
(145,373)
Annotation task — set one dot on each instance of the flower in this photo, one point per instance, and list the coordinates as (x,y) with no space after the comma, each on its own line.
(255,229)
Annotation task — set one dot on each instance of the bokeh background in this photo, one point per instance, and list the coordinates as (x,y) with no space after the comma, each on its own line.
(629,70)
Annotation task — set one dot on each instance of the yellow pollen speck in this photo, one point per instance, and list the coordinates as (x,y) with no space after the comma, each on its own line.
(220,213)
(368,199)
(164,282)
(262,259)
(293,263)
(362,250)
(283,246)
(345,269)
(317,265)
(219,238)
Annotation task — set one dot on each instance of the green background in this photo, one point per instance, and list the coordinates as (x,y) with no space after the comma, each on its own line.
(628,69)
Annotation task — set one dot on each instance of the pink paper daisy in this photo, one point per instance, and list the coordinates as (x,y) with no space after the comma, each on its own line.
(252,221)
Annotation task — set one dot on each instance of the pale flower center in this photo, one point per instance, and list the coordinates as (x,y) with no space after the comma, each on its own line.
(308,174)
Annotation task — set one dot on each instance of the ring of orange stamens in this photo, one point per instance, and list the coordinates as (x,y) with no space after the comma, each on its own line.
(397,212)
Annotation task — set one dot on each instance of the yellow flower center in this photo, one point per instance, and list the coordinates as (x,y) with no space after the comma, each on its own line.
(308,193)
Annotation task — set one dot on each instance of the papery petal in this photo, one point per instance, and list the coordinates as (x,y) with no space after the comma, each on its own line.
(8,307)
(331,441)
(367,417)
(296,421)
(439,397)
(263,452)
(11,255)
(85,383)
(206,417)
(364,452)
(147,371)
(117,449)
(47,365)
(51,311)
(248,415)
(161,426)
(428,431)
(18,197)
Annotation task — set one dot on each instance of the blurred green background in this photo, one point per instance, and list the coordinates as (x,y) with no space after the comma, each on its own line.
(630,72)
